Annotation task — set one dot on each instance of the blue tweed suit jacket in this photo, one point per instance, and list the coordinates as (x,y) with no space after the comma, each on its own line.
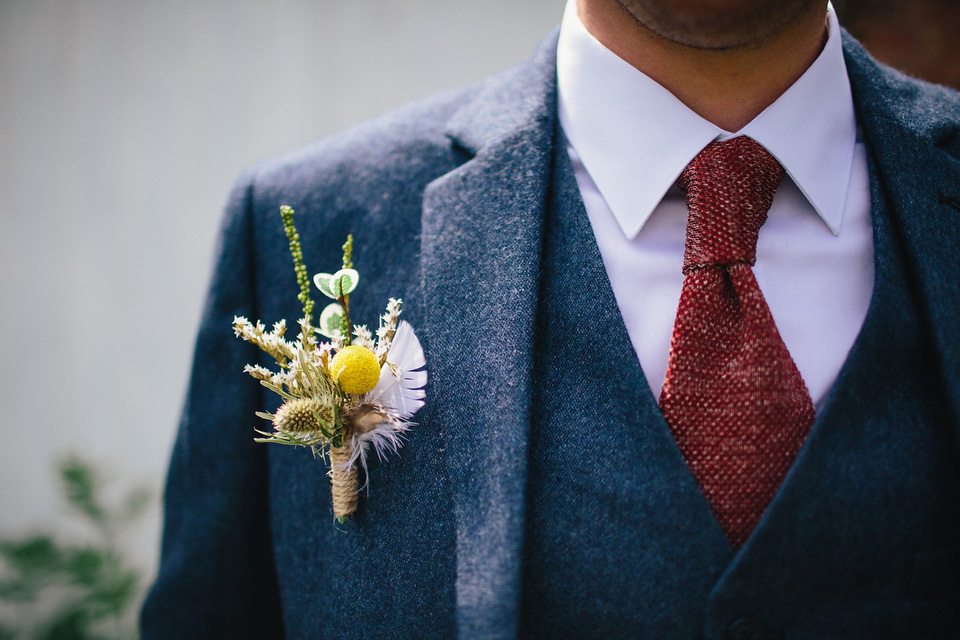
(446,201)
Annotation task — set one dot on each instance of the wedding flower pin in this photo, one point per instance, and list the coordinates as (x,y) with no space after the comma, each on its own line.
(345,397)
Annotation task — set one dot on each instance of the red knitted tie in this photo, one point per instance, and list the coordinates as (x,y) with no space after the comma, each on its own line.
(733,397)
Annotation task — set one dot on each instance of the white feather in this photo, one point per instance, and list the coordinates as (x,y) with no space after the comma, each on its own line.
(400,392)
(400,388)
(386,438)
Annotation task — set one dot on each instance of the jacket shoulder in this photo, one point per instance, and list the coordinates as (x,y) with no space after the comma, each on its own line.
(912,100)
(880,91)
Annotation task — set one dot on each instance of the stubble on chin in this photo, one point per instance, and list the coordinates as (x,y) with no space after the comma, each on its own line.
(689,23)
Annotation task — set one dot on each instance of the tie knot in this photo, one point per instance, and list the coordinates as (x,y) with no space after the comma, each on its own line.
(729,188)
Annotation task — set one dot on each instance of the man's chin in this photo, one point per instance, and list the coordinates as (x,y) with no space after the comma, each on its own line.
(718,25)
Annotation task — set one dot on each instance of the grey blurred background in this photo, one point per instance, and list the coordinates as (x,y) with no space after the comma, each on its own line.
(123,124)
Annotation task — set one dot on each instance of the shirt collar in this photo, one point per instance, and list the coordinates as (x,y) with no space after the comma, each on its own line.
(634,137)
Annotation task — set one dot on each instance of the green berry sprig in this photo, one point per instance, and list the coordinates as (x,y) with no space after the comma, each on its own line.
(297,252)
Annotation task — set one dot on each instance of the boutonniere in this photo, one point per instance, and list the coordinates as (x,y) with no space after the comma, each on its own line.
(345,397)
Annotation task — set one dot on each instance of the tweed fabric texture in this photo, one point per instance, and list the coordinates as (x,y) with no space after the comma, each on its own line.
(733,398)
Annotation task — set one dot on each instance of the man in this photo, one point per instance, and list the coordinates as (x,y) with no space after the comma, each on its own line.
(535,226)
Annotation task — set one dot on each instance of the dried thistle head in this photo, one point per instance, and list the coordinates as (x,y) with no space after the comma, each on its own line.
(303,415)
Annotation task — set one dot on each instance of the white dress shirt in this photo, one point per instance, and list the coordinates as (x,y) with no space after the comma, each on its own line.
(629,139)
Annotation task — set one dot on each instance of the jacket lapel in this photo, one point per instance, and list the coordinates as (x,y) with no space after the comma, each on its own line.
(480,263)
(923,194)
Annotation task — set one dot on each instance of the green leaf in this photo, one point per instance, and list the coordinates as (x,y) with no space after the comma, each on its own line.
(330,319)
(38,554)
(343,282)
(322,281)
(86,566)
(323,425)
(86,591)
(20,590)
(70,623)
(35,563)
(80,487)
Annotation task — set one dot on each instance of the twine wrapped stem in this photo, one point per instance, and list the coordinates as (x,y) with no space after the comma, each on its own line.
(344,481)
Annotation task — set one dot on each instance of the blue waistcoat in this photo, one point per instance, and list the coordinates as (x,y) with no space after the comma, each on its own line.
(620,542)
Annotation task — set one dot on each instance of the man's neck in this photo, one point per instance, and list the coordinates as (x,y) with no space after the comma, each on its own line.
(727,87)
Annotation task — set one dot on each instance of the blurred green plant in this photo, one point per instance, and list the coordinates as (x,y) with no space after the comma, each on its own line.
(62,591)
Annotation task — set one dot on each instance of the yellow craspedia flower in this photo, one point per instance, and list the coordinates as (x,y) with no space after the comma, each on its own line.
(356,369)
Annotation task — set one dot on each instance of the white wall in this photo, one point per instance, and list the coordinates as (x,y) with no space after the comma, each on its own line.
(123,124)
